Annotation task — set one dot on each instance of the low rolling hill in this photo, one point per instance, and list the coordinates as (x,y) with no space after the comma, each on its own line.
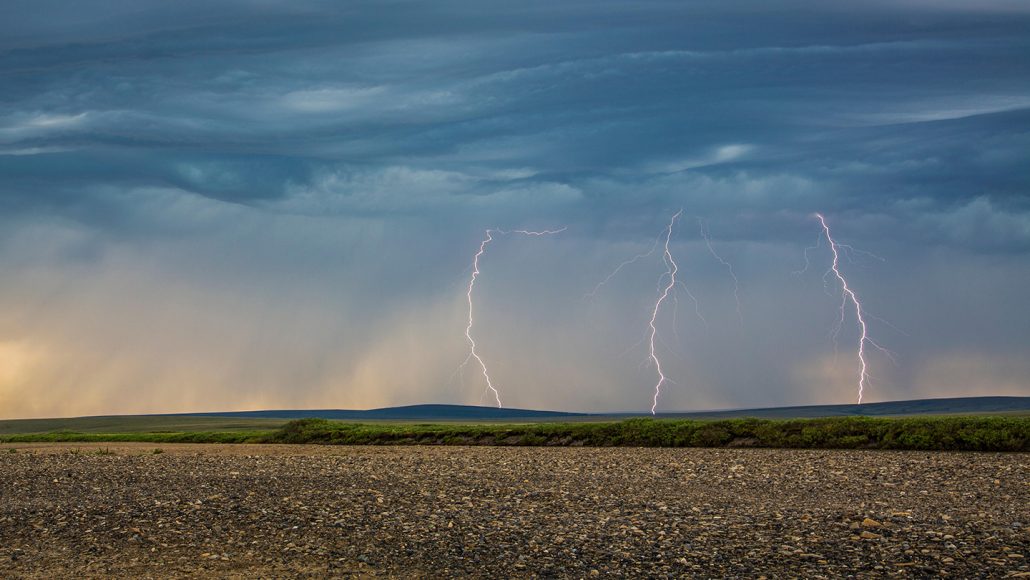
(266,420)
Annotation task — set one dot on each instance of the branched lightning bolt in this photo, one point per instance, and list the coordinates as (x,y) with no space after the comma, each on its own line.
(671,269)
(808,262)
(848,295)
(532,233)
(729,267)
(850,250)
(697,304)
(468,329)
(609,277)
(471,286)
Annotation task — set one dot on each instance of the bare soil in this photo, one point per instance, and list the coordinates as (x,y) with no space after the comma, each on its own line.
(103,510)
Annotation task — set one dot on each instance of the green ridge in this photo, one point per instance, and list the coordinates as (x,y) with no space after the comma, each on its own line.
(991,433)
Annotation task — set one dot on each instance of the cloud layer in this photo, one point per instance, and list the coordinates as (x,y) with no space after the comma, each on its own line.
(226,205)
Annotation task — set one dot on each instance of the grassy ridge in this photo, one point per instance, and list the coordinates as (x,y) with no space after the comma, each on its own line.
(929,433)
(918,433)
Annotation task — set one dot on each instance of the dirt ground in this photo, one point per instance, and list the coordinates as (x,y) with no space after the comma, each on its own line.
(283,511)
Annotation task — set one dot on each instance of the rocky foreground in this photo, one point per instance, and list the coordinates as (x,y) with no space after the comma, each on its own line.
(273,511)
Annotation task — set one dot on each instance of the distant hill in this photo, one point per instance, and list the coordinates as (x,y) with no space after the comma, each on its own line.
(406,413)
(953,406)
(272,419)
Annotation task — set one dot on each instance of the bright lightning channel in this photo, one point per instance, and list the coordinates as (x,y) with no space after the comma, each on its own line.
(848,295)
(471,286)
(671,269)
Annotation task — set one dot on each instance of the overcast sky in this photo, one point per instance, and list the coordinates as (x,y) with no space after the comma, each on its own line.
(238,205)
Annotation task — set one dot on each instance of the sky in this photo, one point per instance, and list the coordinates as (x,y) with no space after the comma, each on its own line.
(229,205)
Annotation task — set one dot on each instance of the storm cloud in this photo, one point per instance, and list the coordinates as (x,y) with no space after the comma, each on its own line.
(229,205)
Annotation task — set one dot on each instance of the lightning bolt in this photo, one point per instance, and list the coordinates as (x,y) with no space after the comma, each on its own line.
(729,267)
(670,272)
(667,287)
(471,286)
(848,295)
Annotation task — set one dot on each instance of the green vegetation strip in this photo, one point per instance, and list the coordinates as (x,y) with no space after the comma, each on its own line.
(159,437)
(922,433)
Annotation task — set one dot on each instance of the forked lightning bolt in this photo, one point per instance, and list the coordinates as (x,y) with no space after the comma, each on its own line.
(848,295)
(472,284)
(671,269)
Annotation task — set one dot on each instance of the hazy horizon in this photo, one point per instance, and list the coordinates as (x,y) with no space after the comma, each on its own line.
(211,205)
(514,412)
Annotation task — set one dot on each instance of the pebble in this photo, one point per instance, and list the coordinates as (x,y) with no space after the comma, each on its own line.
(287,511)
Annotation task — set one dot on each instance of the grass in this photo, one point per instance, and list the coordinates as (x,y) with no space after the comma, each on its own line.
(153,437)
(943,433)
(139,424)
(923,433)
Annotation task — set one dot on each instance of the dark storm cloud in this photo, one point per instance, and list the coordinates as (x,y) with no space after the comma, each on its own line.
(248,102)
(271,138)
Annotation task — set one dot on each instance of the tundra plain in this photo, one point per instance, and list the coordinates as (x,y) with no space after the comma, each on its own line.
(140,510)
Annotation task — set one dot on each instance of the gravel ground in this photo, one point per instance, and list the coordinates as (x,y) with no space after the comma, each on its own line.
(273,511)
